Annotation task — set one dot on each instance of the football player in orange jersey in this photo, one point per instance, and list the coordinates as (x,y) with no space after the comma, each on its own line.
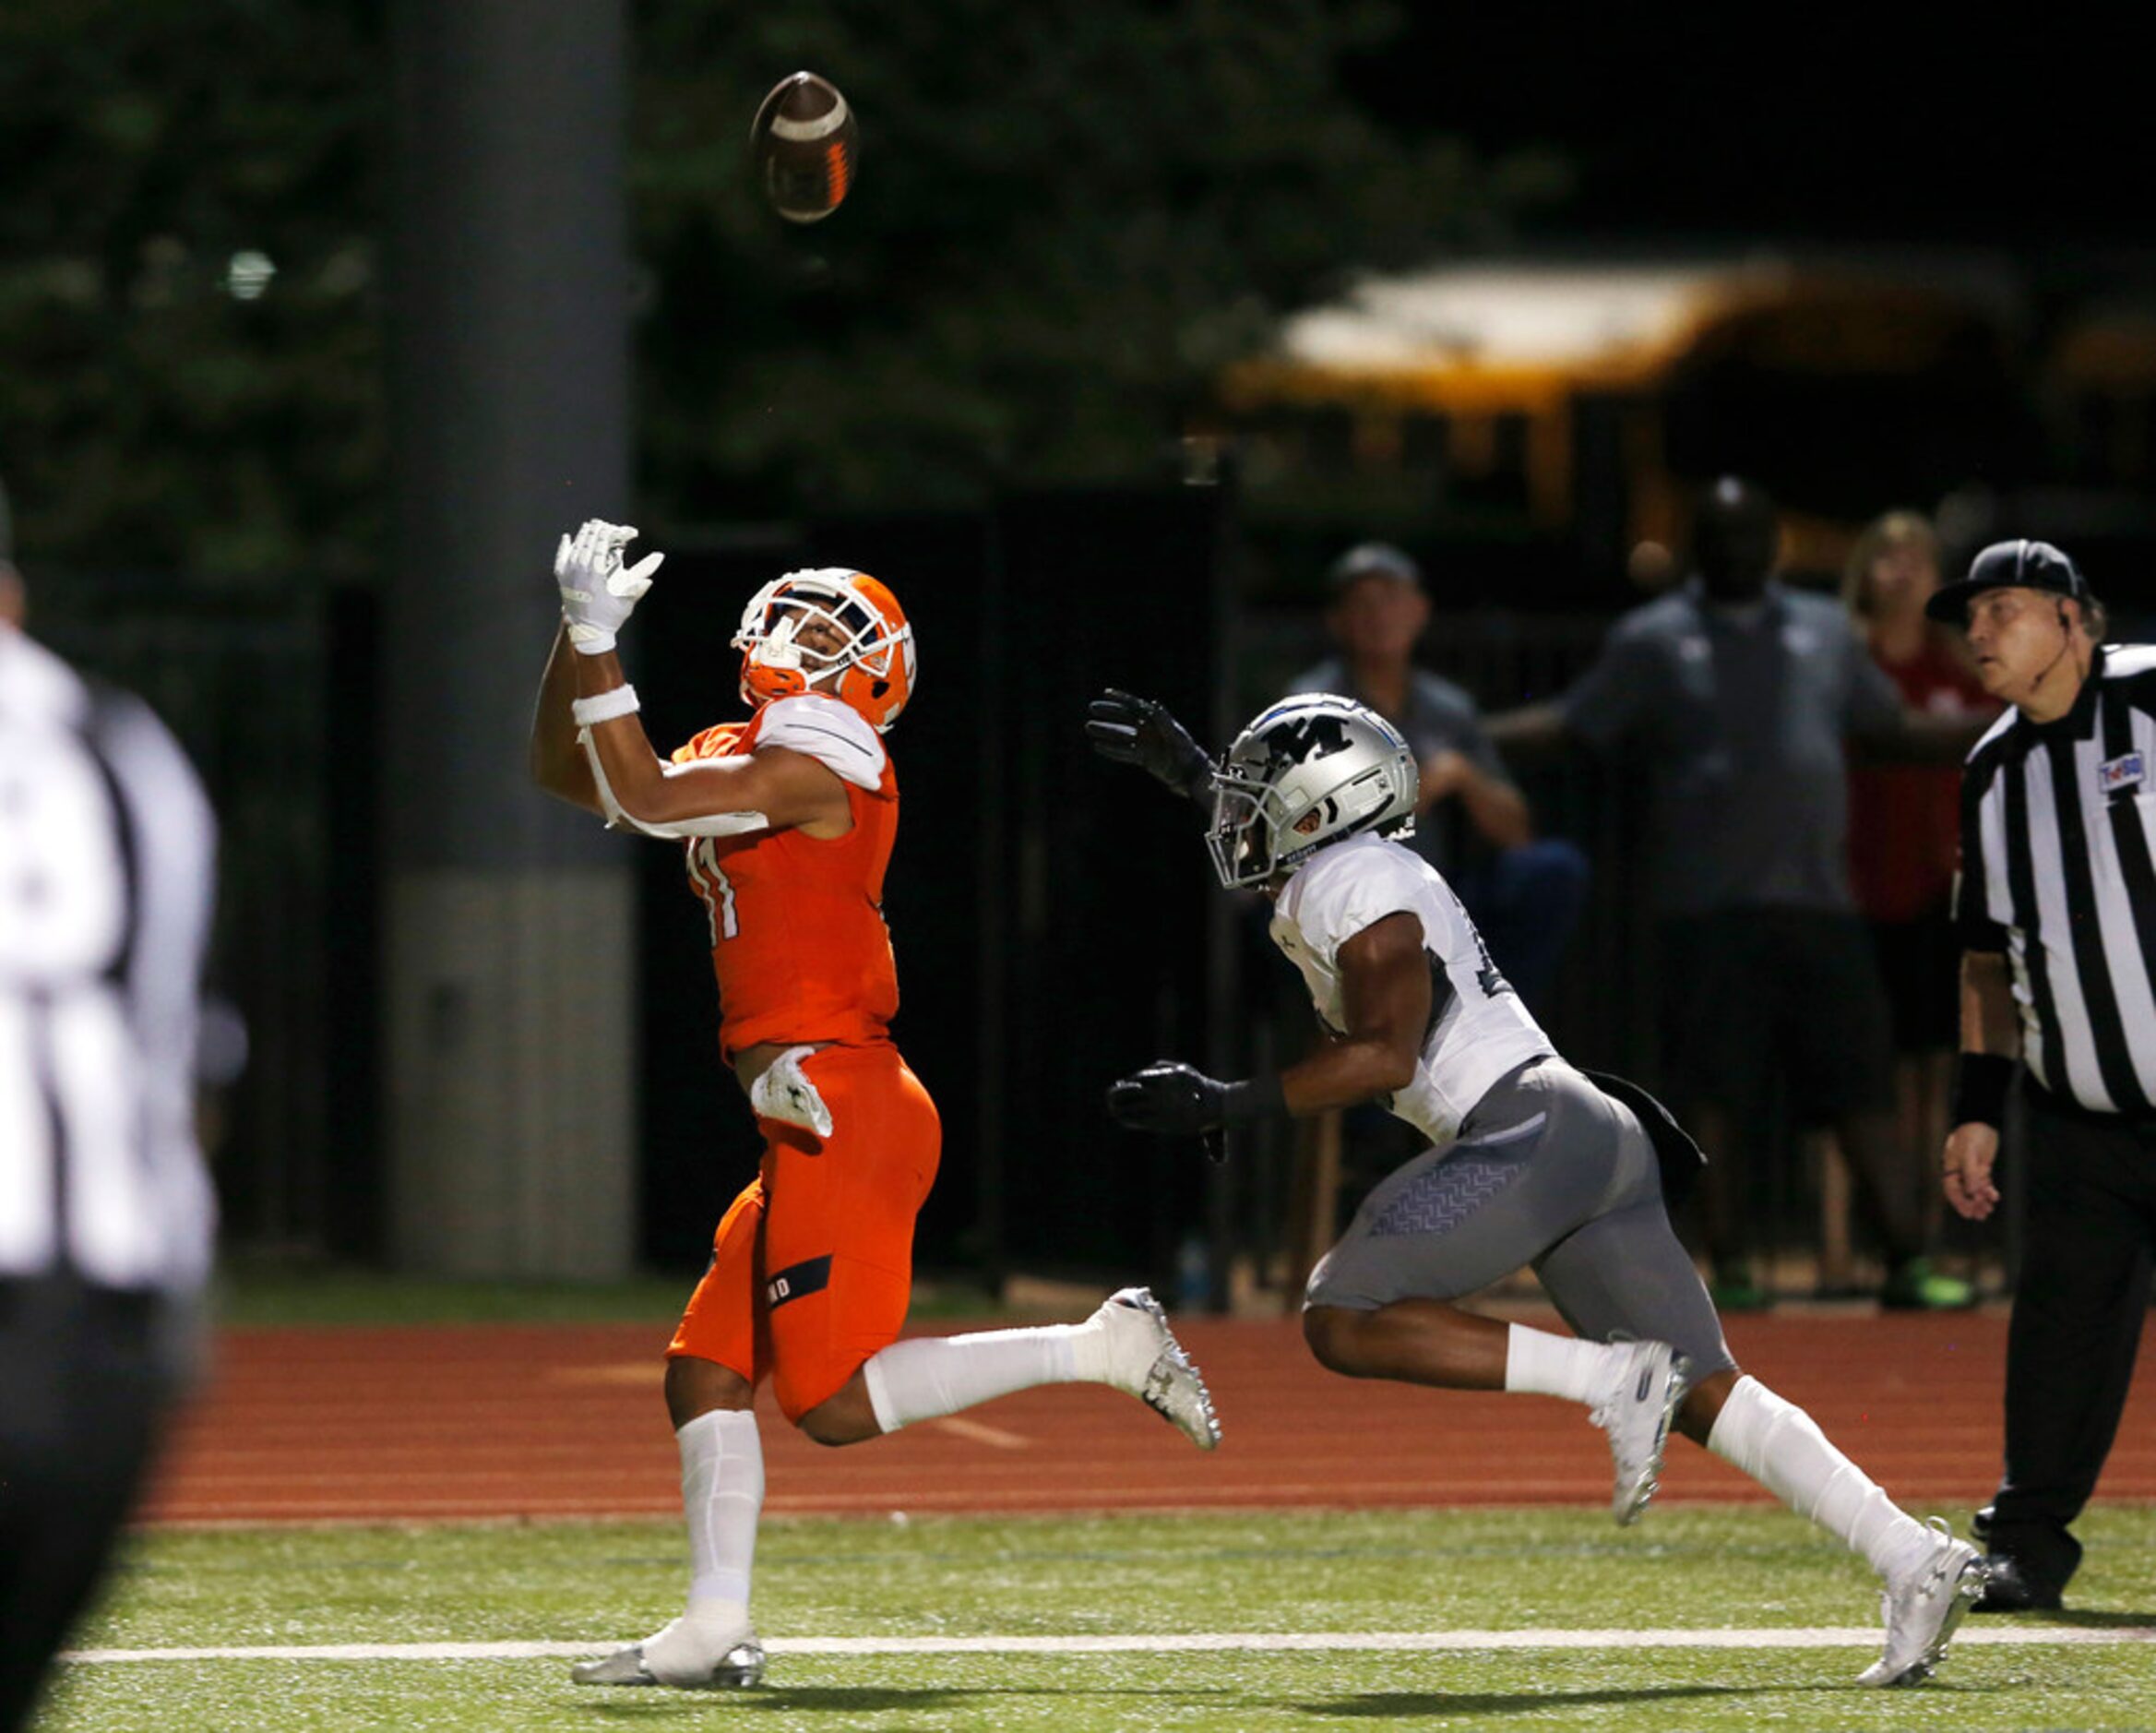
(787,821)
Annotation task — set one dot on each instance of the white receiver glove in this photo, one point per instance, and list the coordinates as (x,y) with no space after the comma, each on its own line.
(784,1093)
(597,593)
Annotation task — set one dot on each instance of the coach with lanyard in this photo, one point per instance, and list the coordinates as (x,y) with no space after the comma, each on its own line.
(2057,909)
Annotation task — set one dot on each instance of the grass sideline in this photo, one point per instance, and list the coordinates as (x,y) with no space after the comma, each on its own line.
(1310,1571)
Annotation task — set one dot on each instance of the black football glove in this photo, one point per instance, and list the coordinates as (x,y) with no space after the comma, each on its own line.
(1138,731)
(1172,1099)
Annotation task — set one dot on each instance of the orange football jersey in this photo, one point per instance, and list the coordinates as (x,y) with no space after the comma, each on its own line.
(798,940)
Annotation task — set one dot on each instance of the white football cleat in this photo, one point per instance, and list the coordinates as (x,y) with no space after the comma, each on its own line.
(1144,1358)
(1635,1412)
(1922,1607)
(740,1667)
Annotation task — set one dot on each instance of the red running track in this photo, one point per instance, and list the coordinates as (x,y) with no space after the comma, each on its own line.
(536,1422)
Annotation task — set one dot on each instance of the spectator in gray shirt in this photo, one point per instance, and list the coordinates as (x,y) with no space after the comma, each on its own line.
(1740,698)
(1471,822)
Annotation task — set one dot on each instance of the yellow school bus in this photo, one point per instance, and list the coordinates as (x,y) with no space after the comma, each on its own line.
(1586,400)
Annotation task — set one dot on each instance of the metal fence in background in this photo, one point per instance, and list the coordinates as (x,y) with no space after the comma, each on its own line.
(245,685)
(271,701)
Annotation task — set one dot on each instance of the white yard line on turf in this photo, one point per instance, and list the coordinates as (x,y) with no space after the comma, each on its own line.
(1812,1637)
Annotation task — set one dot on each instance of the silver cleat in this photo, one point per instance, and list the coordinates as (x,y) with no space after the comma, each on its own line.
(740,1668)
(1151,1365)
(1922,1609)
(1637,1414)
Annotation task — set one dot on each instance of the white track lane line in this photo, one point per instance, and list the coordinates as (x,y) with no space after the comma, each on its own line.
(1304,1642)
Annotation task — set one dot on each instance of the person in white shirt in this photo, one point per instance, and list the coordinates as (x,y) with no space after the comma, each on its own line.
(1530,1163)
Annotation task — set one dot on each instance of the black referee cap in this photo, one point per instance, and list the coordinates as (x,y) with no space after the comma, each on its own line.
(2010,566)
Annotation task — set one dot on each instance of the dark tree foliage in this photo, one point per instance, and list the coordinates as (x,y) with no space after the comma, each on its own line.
(1069,213)
(153,412)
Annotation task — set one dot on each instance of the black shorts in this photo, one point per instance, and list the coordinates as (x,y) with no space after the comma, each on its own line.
(1753,997)
(1919,966)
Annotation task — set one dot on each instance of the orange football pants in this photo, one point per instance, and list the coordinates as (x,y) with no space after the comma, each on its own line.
(812,1266)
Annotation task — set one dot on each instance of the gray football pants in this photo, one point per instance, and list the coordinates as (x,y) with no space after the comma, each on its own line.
(1547,1173)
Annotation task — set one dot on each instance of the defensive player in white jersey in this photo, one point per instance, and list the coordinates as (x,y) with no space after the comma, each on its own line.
(1531,1164)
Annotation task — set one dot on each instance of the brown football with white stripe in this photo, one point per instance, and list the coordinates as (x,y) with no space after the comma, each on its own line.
(805,141)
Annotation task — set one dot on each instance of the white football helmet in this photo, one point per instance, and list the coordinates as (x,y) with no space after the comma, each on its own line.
(1312,770)
(873,667)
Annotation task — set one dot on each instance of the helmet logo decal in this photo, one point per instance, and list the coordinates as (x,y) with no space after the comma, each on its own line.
(1299,739)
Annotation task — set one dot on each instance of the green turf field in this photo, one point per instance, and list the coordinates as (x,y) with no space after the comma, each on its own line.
(1317,1577)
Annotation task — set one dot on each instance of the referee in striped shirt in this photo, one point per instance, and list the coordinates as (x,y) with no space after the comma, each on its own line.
(2056,908)
(106,844)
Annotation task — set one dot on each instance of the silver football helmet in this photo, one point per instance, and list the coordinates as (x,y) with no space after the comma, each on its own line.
(1312,770)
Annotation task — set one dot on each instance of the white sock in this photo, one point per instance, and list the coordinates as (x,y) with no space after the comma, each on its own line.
(928,1375)
(1781,1446)
(722,1496)
(723,1491)
(1537,1363)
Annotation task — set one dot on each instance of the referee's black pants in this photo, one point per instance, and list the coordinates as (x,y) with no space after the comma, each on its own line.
(86,1376)
(2083,1295)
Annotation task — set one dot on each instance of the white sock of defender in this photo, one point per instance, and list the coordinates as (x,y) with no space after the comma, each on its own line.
(930,1376)
(722,1496)
(1781,1446)
(1537,1363)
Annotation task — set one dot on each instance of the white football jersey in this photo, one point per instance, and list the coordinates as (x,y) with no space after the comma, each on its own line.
(1480,1030)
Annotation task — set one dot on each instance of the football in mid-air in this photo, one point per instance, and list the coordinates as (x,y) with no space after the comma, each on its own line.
(805,141)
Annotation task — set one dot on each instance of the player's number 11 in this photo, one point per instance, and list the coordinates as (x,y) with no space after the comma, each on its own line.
(716,888)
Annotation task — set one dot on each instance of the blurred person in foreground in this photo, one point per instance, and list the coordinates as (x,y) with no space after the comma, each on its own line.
(1529,1162)
(107,869)
(1905,825)
(2056,909)
(786,823)
(1471,821)
(1738,695)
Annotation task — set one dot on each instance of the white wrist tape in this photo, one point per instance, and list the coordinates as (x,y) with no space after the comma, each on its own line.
(605,706)
(589,640)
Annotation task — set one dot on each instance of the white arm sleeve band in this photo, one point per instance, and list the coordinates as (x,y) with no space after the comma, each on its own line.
(615,817)
(711,824)
(605,706)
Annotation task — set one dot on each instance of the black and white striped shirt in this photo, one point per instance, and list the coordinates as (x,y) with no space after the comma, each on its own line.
(2058,871)
(107,857)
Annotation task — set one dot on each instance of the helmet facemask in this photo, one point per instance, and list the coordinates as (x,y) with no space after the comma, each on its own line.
(863,649)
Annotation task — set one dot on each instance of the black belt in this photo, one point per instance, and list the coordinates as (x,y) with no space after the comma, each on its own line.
(69,1295)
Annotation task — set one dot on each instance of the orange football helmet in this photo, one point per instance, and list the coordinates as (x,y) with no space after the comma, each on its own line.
(865,660)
